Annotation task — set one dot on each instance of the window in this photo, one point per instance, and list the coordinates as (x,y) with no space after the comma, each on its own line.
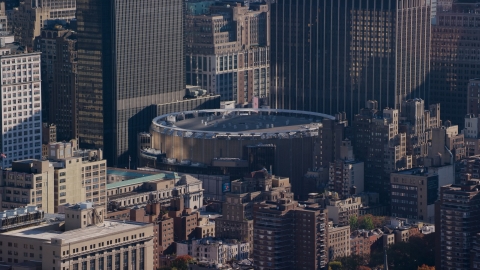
(125,260)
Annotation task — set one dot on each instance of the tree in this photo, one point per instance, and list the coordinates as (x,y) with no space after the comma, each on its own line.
(335,265)
(353,223)
(352,262)
(181,262)
(368,223)
(408,255)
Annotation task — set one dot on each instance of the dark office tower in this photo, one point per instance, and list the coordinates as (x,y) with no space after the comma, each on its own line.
(59,79)
(334,55)
(130,58)
(455,59)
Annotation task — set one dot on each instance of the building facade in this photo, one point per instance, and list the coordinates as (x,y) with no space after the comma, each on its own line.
(345,175)
(340,211)
(473,97)
(454,61)
(333,56)
(237,217)
(228,49)
(160,188)
(59,79)
(414,193)
(86,242)
(471,134)
(28,183)
(284,231)
(338,241)
(21,99)
(126,86)
(66,176)
(32,15)
(380,144)
(215,251)
(457,210)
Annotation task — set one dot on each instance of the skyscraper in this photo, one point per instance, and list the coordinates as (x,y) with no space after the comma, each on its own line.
(130,58)
(455,59)
(333,56)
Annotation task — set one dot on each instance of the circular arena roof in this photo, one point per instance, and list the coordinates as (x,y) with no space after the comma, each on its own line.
(240,123)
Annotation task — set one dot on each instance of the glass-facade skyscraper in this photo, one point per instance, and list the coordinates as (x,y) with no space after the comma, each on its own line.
(334,55)
(130,58)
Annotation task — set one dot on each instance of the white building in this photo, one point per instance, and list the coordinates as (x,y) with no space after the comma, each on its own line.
(214,251)
(21,104)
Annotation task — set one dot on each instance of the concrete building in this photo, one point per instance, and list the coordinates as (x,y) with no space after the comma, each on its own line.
(49,134)
(346,177)
(447,146)
(30,182)
(363,243)
(414,192)
(87,240)
(418,123)
(338,241)
(453,62)
(59,78)
(158,187)
(21,99)
(340,211)
(67,176)
(326,61)
(471,135)
(379,143)
(237,217)
(80,175)
(205,228)
(214,251)
(32,15)
(289,235)
(228,49)
(457,210)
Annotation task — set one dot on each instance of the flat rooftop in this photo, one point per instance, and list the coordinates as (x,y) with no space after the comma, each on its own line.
(140,180)
(129,173)
(245,123)
(44,231)
(420,171)
(239,122)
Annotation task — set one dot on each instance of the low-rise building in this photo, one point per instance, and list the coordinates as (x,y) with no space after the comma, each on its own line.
(340,211)
(86,241)
(236,221)
(215,251)
(67,176)
(363,242)
(414,192)
(346,175)
(158,187)
(338,241)
(205,228)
